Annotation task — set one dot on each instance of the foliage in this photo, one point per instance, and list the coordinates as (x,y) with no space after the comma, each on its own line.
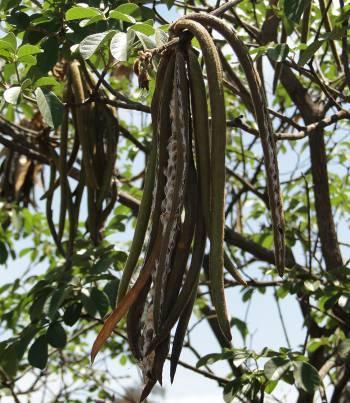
(73,241)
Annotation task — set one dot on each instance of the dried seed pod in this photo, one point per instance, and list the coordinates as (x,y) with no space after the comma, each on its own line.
(176,173)
(217,171)
(164,292)
(83,128)
(148,205)
(201,132)
(63,174)
(265,129)
(128,299)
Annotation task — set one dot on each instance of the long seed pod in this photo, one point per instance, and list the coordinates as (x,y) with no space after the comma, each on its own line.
(74,210)
(265,128)
(124,304)
(113,195)
(172,111)
(173,300)
(217,174)
(146,202)
(191,282)
(129,298)
(71,160)
(183,246)
(161,133)
(111,131)
(156,371)
(81,114)
(174,283)
(181,333)
(63,173)
(134,324)
(176,180)
(200,130)
(172,205)
(163,130)
(161,355)
(91,221)
(49,211)
(189,285)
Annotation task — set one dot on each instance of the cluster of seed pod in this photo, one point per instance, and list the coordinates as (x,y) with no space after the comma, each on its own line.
(89,130)
(184,199)
(18,173)
(97,130)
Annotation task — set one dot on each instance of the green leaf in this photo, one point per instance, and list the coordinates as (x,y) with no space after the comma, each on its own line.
(9,360)
(72,314)
(119,259)
(239,356)
(9,42)
(161,37)
(48,58)
(316,343)
(27,49)
(18,19)
(12,94)
(27,59)
(56,302)
(85,23)
(111,289)
(3,253)
(144,28)
(56,335)
(88,304)
(344,349)
(293,9)
(117,15)
(26,83)
(282,291)
(119,47)
(241,326)
(275,368)
(123,360)
(46,81)
(102,265)
(128,8)
(79,13)
(247,295)
(146,42)
(50,107)
(209,359)
(279,52)
(26,337)
(306,376)
(38,353)
(169,3)
(91,43)
(37,307)
(5,54)
(231,389)
(306,54)
(100,300)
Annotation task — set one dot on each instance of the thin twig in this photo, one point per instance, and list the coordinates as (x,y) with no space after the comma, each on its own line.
(221,381)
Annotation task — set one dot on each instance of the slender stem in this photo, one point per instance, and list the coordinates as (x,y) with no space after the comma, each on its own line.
(221,381)
(282,320)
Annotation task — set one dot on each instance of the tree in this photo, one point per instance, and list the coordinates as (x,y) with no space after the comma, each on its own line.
(84,86)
